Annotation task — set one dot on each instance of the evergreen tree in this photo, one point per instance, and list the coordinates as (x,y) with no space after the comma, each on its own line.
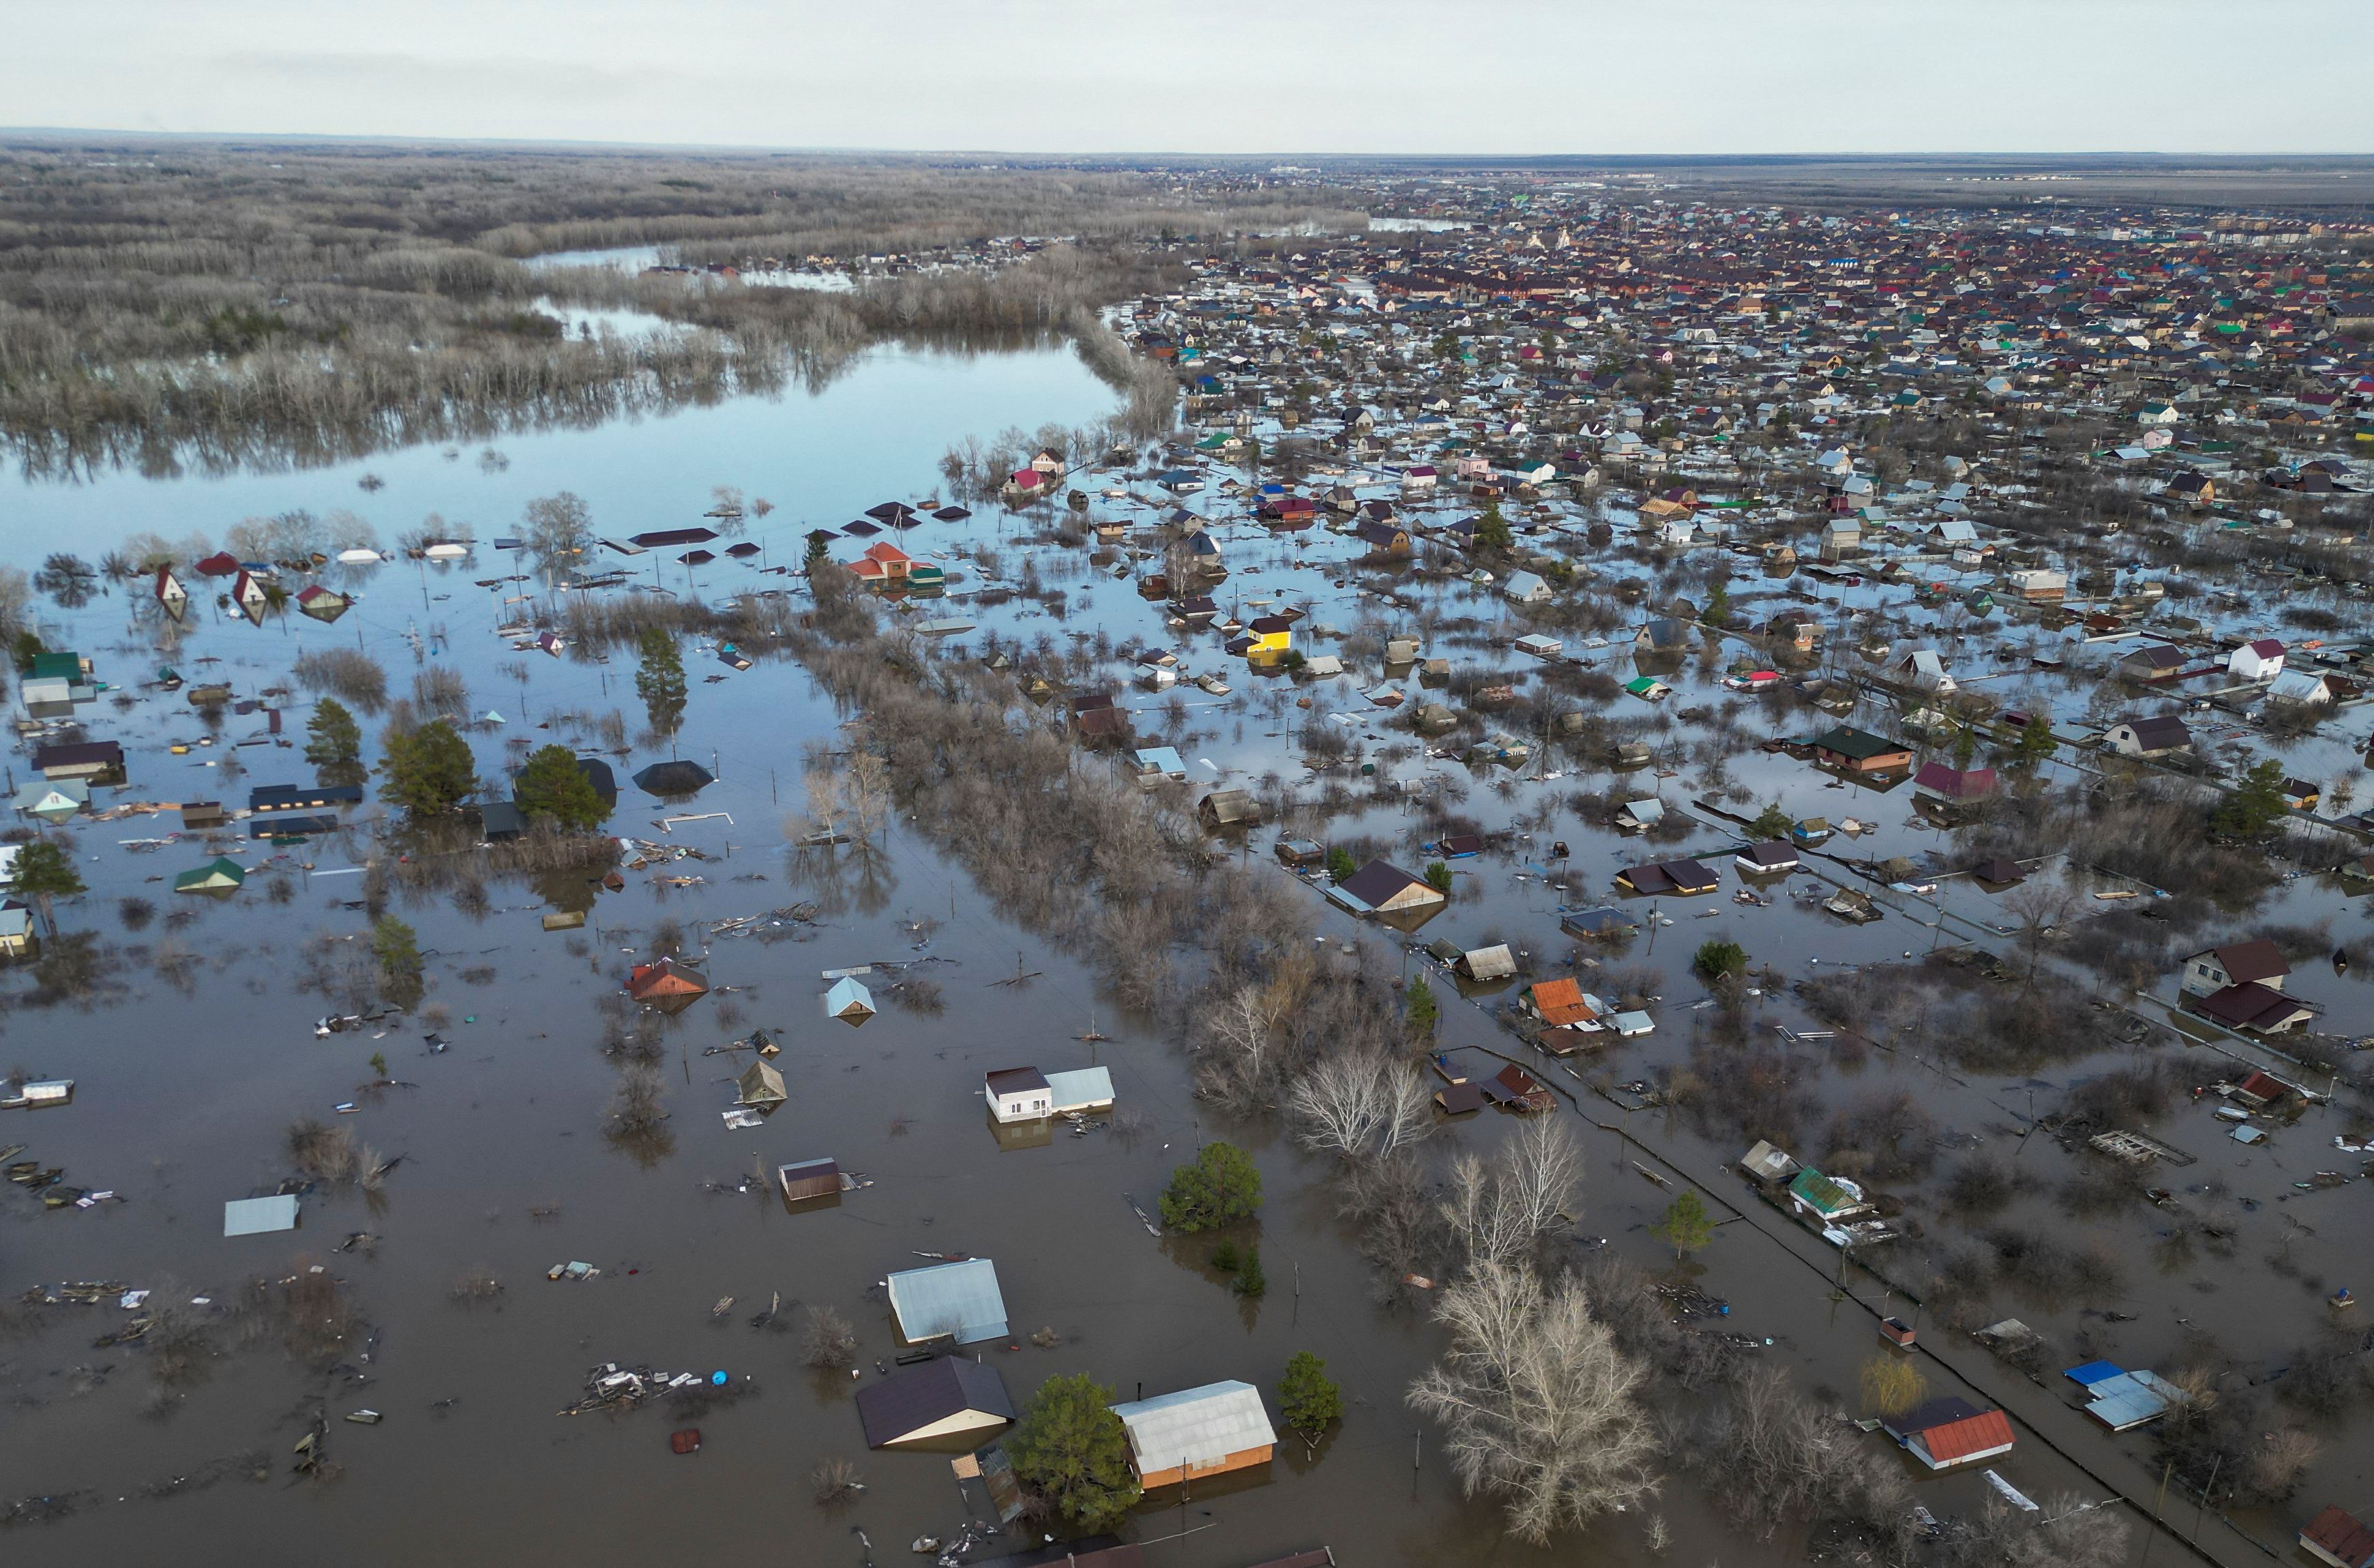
(553,786)
(1772,823)
(426,770)
(1438,876)
(1718,606)
(2036,743)
(2256,804)
(398,951)
(1719,960)
(1251,1279)
(1422,1011)
(1071,1449)
(658,679)
(45,871)
(333,743)
(1220,1186)
(1308,1397)
(1491,528)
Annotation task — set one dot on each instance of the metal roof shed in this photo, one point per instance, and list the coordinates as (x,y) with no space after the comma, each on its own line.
(959,1301)
(260,1215)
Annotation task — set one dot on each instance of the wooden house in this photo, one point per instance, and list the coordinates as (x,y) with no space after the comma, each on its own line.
(1197,1433)
(666,981)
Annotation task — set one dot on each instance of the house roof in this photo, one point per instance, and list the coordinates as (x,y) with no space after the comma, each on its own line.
(2247,1005)
(1195,1426)
(923,1397)
(961,1299)
(2338,1533)
(1954,783)
(2163,732)
(1771,852)
(1080,1086)
(1378,881)
(2258,959)
(1017,1080)
(1966,1436)
(1859,744)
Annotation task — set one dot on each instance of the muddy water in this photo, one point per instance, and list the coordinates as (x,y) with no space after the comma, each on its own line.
(183,1093)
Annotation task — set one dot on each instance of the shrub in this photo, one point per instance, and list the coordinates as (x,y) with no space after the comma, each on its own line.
(1220,1186)
(1306,1398)
(1719,960)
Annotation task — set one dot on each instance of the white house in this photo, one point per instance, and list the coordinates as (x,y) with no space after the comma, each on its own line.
(1526,588)
(1019,1095)
(2258,660)
(2300,686)
(1926,669)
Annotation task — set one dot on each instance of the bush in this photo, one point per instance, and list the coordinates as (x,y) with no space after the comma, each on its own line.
(1222,1186)
(1719,960)
(552,786)
(426,770)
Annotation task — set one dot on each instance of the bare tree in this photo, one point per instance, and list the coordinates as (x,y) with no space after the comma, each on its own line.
(826,1341)
(1501,1206)
(2041,907)
(1359,1103)
(1538,1404)
(1774,1459)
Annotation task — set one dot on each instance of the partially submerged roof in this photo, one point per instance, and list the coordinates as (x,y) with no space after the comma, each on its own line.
(260,1215)
(960,1301)
(1196,1427)
(942,1399)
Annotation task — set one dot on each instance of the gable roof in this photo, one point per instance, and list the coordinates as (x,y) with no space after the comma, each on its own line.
(2258,959)
(1195,1426)
(957,1300)
(906,1404)
(1378,881)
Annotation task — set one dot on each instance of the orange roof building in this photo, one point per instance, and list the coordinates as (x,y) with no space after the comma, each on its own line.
(666,980)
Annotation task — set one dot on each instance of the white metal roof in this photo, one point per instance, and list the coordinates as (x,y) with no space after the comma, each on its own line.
(1195,1426)
(257,1216)
(1080,1088)
(957,1299)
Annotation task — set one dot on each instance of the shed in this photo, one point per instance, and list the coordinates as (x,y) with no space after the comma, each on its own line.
(1638,814)
(761,1085)
(89,760)
(1197,1431)
(1767,1163)
(947,1397)
(260,1215)
(1228,808)
(957,1300)
(806,1179)
(1494,963)
(849,1001)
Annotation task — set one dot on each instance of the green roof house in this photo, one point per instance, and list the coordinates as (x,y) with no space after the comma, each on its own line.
(220,875)
(1824,1197)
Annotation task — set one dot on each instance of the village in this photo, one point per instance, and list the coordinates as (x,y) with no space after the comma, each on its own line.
(1232,860)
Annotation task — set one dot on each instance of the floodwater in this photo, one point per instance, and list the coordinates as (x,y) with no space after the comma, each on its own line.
(185,1086)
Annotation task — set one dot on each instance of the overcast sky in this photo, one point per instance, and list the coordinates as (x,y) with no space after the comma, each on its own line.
(1219,76)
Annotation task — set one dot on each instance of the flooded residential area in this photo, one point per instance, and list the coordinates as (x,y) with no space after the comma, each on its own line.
(1189,863)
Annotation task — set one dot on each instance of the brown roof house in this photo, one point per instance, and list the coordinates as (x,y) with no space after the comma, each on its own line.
(2162,736)
(669,985)
(1379,888)
(2336,1536)
(2241,986)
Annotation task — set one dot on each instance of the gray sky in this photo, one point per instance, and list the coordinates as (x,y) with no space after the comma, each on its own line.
(1220,76)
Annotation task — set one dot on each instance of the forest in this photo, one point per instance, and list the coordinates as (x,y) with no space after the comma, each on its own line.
(216,305)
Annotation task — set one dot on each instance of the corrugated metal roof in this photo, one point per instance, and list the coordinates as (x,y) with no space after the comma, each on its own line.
(1195,1426)
(957,1299)
(258,1216)
(1080,1088)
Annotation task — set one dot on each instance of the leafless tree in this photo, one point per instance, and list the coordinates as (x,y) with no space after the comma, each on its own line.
(826,1341)
(1359,1103)
(2065,1532)
(1503,1206)
(1538,1405)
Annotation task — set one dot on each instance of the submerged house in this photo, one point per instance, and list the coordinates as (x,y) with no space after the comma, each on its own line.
(1945,1433)
(1018,1094)
(666,981)
(2161,736)
(948,1301)
(2335,1537)
(1379,888)
(1196,1432)
(849,1001)
(1685,877)
(1853,750)
(1228,808)
(947,1398)
(220,875)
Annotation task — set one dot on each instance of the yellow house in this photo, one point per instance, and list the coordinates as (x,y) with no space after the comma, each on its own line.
(1271,638)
